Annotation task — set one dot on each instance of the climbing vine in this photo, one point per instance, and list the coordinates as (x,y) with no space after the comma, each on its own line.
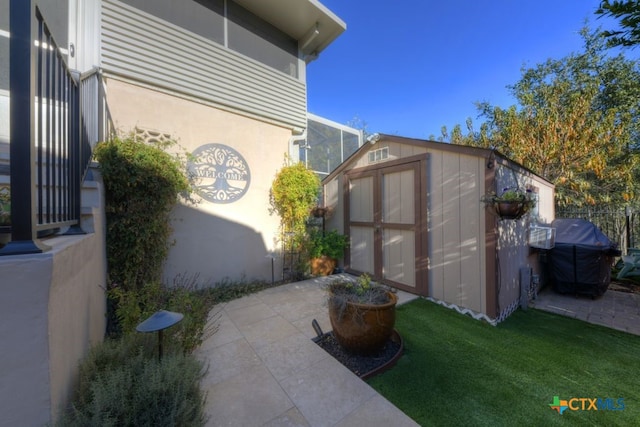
(294,192)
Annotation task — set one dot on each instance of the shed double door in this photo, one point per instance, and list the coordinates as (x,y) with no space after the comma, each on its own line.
(385,214)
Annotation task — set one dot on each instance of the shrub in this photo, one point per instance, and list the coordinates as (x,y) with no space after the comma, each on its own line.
(294,192)
(122,383)
(134,306)
(142,184)
(5,205)
(329,243)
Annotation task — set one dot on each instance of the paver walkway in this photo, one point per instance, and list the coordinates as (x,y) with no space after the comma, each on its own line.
(614,309)
(264,370)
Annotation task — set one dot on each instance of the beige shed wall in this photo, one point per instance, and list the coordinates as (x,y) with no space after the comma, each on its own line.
(216,241)
(455,184)
(513,248)
(456,230)
(474,257)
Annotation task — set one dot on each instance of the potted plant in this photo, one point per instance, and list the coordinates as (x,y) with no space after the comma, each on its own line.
(362,314)
(512,203)
(5,213)
(5,208)
(325,248)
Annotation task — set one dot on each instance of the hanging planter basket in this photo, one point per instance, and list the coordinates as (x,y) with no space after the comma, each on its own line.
(510,210)
(512,204)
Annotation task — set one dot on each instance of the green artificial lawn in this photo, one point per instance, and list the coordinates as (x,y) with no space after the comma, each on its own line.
(457,371)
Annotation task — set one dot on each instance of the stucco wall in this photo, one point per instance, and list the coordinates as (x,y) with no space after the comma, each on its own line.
(214,240)
(24,360)
(52,310)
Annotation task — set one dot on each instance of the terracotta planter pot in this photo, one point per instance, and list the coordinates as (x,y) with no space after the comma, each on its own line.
(323,266)
(363,328)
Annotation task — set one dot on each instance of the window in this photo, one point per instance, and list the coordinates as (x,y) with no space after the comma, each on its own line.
(379,155)
(328,144)
(247,33)
(202,17)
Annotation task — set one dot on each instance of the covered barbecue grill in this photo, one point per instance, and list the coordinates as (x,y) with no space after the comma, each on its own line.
(580,262)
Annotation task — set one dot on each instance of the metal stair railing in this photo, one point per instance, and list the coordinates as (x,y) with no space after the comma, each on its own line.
(56,117)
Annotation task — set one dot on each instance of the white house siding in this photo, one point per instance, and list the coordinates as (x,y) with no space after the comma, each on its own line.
(147,49)
(213,240)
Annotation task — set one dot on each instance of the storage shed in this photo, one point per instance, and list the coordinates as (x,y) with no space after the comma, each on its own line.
(414,212)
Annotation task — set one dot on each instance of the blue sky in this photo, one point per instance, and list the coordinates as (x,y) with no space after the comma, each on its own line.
(408,68)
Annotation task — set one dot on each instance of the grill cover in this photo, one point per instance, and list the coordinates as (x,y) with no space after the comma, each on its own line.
(580,262)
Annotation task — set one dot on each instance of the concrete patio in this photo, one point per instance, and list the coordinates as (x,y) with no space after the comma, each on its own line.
(264,370)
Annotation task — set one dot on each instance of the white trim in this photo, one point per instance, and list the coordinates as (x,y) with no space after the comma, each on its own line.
(225,23)
(5,33)
(325,121)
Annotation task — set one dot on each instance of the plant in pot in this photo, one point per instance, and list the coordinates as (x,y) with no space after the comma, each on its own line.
(5,214)
(512,203)
(362,314)
(5,206)
(325,248)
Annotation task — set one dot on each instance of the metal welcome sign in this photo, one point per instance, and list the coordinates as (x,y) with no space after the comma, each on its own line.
(222,174)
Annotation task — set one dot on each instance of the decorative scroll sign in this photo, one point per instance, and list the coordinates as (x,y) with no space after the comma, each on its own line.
(222,174)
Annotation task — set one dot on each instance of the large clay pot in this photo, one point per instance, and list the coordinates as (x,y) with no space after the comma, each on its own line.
(363,328)
(323,266)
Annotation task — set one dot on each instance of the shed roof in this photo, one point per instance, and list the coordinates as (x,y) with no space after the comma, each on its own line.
(377,138)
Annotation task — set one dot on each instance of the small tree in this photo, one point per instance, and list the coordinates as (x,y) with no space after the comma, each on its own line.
(294,192)
(576,124)
(628,14)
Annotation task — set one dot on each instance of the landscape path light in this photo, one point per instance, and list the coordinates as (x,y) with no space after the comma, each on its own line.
(159,321)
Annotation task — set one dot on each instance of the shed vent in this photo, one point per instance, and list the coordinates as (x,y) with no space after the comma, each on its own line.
(378,155)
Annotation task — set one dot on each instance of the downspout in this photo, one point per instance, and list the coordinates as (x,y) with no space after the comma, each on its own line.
(297,136)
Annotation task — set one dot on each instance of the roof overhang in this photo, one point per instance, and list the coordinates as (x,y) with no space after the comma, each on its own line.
(308,21)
